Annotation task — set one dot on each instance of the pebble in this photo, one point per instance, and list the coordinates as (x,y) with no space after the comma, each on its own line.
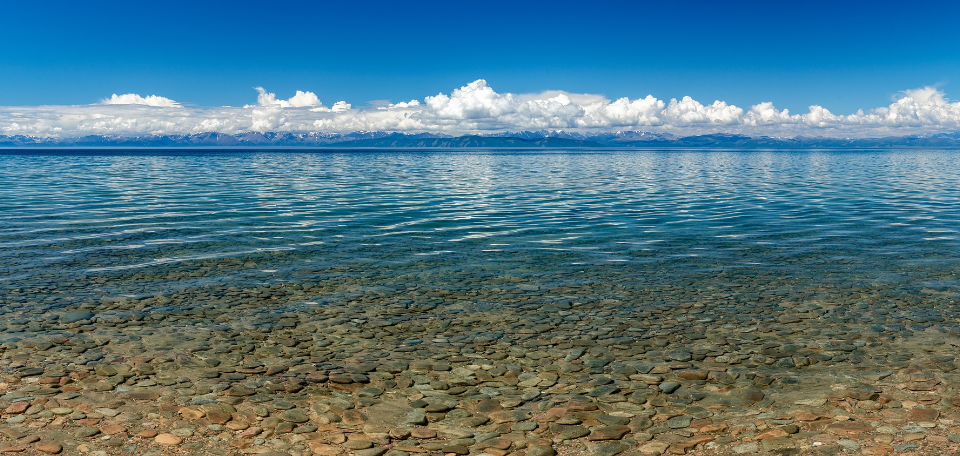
(849,444)
(669,387)
(48,447)
(613,420)
(541,450)
(108,412)
(86,431)
(572,432)
(678,422)
(524,427)
(167,439)
(378,451)
(294,416)
(357,444)
(608,433)
(746,448)
(607,449)
(73,317)
(423,433)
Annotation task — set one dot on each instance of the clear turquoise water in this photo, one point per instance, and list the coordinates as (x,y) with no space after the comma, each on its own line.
(740,231)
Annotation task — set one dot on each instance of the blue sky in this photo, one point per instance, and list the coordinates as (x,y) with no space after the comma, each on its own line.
(838,56)
(841,55)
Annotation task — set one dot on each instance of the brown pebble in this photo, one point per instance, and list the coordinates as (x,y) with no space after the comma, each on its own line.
(913,436)
(849,428)
(167,439)
(147,434)
(353,417)
(17,408)
(772,433)
(250,432)
(754,395)
(692,374)
(48,447)
(191,413)
(235,425)
(925,414)
(111,428)
(877,450)
(324,449)
(399,434)
(423,433)
(11,447)
(608,433)
(500,444)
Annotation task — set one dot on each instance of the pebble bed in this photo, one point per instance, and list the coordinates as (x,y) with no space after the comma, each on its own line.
(399,344)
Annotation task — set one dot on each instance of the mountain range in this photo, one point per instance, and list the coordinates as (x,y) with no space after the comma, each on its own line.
(521,139)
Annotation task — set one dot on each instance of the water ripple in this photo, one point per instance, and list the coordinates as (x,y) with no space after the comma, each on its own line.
(160,223)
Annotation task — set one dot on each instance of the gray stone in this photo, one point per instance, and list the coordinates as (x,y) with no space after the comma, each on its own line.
(572,432)
(608,448)
(849,444)
(612,420)
(73,317)
(86,431)
(669,387)
(525,426)
(679,422)
(541,450)
(294,416)
(603,390)
(377,451)
(416,418)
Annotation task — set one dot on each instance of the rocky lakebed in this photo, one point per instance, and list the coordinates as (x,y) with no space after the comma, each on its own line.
(419,370)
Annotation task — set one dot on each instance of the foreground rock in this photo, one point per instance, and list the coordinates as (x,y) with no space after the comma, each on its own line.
(539,374)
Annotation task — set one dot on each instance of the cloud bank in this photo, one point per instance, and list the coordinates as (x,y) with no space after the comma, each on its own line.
(478,108)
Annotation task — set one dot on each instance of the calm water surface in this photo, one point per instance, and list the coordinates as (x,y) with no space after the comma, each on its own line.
(638,228)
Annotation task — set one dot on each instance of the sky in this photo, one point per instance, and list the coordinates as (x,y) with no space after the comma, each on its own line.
(855,62)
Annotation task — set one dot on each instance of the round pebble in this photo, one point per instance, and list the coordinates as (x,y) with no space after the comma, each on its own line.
(168,439)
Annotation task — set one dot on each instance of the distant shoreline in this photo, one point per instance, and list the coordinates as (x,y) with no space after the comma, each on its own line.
(8,150)
(541,140)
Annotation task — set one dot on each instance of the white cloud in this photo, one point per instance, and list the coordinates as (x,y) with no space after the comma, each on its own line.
(134,99)
(766,114)
(688,111)
(578,98)
(623,112)
(477,108)
(820,117)
(300,100)
(473,101)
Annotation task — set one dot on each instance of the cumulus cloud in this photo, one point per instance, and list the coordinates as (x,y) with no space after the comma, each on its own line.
(134,99)
(477,108)
(300,100)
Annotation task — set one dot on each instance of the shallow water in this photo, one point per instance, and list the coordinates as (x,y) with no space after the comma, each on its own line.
(744,233)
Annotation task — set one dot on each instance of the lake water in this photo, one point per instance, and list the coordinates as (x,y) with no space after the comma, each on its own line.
(790,223)
(744,233)
(735,285)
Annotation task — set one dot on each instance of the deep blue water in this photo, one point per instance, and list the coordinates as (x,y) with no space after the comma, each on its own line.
(642,228)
